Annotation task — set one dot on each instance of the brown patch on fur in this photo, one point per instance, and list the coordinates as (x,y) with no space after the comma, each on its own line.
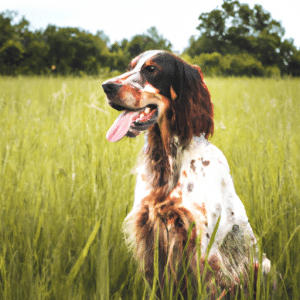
(176,194)
(157,159)
(256,270)
(190,187)
(200,218)
(184,174)
(132,96)
(150,62)
(205,163)
(201,208)
(167,222)
(165,134)
(214,271)
(193,166)
(173,94)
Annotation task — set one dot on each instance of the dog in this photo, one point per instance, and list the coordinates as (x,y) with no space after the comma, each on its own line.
(184,194)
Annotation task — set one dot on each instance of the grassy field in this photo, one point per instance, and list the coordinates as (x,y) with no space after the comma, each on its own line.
(65,190)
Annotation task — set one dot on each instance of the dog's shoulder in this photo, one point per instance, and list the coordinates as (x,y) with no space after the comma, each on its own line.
(205,180)
(203,157)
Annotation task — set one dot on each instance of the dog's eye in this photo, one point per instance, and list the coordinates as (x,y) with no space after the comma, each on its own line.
(150,69)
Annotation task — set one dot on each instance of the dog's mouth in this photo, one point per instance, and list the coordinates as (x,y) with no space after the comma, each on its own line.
(131,122)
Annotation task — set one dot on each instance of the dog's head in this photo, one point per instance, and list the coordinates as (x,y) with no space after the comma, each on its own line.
(161,88)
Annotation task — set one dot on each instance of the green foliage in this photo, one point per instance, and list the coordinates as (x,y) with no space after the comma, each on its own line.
(272,71)
(215,64)
(11,48)
(67,51)
(243,64)
(248,41)
(73,51)
(209,63)
(55,50)
(126,50)
(65,190)
(149,41)
(236,29)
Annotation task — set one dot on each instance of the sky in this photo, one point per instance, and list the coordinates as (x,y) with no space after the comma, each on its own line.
(176,20)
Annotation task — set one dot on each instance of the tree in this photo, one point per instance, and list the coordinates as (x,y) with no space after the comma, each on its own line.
(124,51)
(65,50)
(73,51)
(236,29)
(21,51)
(11,46)
(290,57)
(34,60)
(150,40)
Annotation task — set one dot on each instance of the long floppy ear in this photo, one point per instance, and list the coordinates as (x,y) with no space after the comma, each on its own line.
(192,109)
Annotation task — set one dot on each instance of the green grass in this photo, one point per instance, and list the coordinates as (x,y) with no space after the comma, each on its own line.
(65,190)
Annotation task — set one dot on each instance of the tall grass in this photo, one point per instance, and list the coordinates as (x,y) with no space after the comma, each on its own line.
(65,190)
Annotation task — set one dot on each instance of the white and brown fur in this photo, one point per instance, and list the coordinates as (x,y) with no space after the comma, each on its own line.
(183,181)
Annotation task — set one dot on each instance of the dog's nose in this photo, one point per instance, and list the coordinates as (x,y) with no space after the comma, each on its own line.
(111,88)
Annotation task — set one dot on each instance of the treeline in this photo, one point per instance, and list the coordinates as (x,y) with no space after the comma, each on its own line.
(237,40)
(66,51)
(233,41)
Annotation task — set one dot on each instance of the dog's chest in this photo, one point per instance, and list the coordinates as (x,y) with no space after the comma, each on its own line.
(204,189)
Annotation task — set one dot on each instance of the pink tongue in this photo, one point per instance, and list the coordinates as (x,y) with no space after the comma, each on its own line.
(121,125)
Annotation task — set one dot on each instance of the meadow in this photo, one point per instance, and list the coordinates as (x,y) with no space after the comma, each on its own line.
(65,190)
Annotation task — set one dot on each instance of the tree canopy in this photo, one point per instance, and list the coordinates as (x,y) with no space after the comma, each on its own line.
(236,29)
(67,50)
(233,40)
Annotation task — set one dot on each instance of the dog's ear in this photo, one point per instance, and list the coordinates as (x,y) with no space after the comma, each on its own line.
(192,110)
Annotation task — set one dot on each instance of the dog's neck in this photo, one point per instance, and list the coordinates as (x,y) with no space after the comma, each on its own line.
(162,159)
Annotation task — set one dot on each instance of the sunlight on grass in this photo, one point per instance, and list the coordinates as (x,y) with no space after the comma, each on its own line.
(65,190)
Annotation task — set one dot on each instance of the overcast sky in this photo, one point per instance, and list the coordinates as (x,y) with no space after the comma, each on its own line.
(176,20)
